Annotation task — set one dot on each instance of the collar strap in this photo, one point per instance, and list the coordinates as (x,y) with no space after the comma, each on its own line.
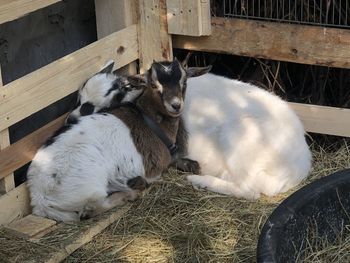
(153,126)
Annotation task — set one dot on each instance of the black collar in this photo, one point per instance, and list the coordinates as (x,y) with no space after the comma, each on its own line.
(151,124)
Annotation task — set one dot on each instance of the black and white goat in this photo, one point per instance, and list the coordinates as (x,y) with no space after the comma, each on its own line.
(101,160)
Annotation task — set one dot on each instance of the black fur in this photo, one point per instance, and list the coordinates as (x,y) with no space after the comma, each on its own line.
(86,109)
(171,77)
(61,130)
(115,86)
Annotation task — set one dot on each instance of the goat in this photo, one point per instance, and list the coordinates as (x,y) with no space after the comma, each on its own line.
(98,161)
(102,90)
(247,141)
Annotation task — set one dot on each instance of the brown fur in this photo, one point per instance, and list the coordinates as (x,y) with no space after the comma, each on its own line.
(156,156)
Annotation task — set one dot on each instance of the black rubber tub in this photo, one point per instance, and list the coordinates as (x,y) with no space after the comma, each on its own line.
(324,203)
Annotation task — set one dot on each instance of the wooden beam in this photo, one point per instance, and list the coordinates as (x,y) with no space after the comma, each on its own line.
(29,94)
(189,17)
(86,235)
(112,16)
(14,204)
(154,40)
(23,151)
(321,119)
(13,9)
(7,183)
(278,41)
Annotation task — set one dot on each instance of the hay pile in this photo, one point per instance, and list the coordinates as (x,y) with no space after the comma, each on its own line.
(174,223)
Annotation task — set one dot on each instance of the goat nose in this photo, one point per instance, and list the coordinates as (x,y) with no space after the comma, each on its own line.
(176,106)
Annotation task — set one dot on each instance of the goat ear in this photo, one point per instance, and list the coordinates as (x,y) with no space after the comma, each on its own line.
(138,80)
(108,67)
(197,71)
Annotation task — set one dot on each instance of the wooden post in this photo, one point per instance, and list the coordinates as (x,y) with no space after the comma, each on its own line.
(154,40)
(114,15)
(189,17)
(8,183)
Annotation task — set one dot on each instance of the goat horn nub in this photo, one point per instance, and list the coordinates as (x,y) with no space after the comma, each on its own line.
(185,61)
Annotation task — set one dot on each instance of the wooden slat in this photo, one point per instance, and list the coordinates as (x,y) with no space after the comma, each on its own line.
(112,16)
(8,183)
(285,42)
(23,151)
(13,9)
(29,94)
(15,204)
(321,119)
(154,40)
(189,17)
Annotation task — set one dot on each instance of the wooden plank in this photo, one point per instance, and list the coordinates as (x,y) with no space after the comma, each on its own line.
(30,226)
(189,17)
(7,183)
(87,235)
(285,42)
(112,16)
(154,40)
(14,204)
(13,9)
(23,151)
(29,94)
(322,119)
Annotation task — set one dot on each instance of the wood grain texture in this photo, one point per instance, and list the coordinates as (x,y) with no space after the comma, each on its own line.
(154,40)
(321,119)
(23,151)
(189,17)
(13,9)
(112,16)
(7,183)
(285,42)
(14,204)
(29,94)
(87,235)
(30,226)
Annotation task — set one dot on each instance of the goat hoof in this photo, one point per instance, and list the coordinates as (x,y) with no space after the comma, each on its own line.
(187,166)
(138,183)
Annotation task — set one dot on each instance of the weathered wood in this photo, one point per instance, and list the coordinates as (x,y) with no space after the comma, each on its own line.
(23,151)
(29,94)
(87,235)
(13,9)
(154,40)
(7,183)
(321,119)
(14,204)
(189,17)
(112,16)
(30,226)
(285,42)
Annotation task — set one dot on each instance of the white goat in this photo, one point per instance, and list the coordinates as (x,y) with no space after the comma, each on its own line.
(247,141)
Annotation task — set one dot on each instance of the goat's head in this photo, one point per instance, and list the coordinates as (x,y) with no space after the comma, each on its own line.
(166,82)
(101,90)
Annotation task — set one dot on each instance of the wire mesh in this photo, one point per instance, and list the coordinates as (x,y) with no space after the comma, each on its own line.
(331,13)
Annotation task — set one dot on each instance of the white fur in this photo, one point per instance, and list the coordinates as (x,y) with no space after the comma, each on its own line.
(92,159)
(84,162)
(248,141)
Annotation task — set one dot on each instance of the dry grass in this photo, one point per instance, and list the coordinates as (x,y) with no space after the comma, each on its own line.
(319,250)
(174,223)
